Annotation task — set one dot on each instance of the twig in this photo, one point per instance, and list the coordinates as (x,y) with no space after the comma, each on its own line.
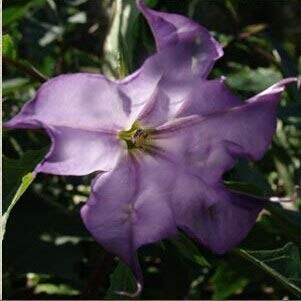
(29,70)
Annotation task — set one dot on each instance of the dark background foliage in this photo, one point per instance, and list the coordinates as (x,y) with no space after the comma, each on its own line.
(47,252)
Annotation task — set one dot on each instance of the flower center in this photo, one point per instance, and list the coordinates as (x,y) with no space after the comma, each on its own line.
(139,137)
(135,137)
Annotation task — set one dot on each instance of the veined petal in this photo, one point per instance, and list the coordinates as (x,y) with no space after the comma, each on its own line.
(140,85)
(186,92)
(80,152)
(186,53)
(221,223)
(211,144)
(155,111)
(171,29)
(207,97)
(164,72)
(273,93)
(130,206)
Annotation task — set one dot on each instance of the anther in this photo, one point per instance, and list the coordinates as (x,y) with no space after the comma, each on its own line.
(139,137)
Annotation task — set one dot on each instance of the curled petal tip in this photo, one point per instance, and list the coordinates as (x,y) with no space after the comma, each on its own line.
(290,199)
(132,295)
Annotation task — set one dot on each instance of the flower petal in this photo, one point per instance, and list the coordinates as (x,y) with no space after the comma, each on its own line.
(163,71)
(171,29)
(186,92)
(80,152)
(219,222)
(155,111)
(211,144)
(129,207)
(186,53)
(207,97)
(82,114)
(82,101)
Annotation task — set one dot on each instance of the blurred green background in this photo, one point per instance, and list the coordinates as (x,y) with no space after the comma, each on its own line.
(47,252)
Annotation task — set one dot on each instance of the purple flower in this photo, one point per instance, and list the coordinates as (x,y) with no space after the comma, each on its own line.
(163,137)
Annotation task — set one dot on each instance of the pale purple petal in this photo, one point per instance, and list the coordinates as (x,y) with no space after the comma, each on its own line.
(140,85)
(171,30)
(130,206)
(155,112)
(273,93)
(188,95)
(159,72)
(217,219)
(186,55)
(207,97)
(211,144)
(80,152)
(83,101)
(82,114)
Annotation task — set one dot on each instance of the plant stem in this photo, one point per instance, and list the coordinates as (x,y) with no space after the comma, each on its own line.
(26,68)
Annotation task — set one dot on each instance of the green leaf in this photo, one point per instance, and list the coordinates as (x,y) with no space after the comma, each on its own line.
(123,61)
(189,250)
(232,9)
(283,264)
(53,33)
(117,51)
(14,170)
(26,181)
(45,233)
(286,221)
(252,29)
(227,281)
(122,279)
(233,273)
(55,289)
(243,187)
(17,177)
(80,18)
(16,12)
(246,173)
(12,85)
(8,47)
(253,80)
(283,158)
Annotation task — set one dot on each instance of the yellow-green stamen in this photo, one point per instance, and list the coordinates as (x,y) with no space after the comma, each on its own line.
(135,137)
